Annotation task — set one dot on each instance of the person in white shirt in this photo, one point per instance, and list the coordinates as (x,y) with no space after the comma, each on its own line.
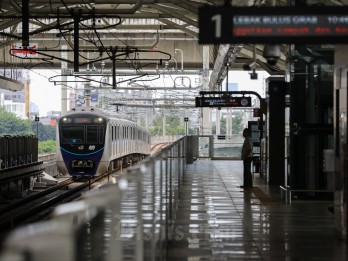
(247,157)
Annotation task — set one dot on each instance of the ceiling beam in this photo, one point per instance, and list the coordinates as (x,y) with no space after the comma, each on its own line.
(180,27)
(176,14)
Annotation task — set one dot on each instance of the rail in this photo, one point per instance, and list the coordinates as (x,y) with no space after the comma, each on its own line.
(48,158)
(132,219)
(286,192)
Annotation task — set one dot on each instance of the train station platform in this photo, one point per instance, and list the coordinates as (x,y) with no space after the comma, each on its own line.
(217,220)
(166,209)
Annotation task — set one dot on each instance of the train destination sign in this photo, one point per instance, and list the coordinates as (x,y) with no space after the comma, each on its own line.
(316,25)
(223,102)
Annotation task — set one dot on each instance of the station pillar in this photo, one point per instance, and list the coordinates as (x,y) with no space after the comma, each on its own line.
(276,130)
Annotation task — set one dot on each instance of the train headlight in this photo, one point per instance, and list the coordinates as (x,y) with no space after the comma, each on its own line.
(66,120)
(98,120)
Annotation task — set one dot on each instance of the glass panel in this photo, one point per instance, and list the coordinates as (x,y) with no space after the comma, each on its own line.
(203,147)
(101,134)
(73,134)
(228,146)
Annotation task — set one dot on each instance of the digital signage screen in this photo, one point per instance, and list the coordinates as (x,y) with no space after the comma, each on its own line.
(273,25)
(223,102)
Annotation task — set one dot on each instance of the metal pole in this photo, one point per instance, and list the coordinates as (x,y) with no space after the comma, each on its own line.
(227,69)
(186,125)
(37,119)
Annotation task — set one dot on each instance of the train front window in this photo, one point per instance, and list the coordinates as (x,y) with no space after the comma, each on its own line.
(72,134)
(92,134)
(101,134)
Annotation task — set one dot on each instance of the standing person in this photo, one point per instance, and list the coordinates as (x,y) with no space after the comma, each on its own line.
(247,156)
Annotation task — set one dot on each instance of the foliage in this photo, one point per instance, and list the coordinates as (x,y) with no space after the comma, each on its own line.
(11,124)
(237,124)
(47,147)
(45,132)
(142,122)
(174,126)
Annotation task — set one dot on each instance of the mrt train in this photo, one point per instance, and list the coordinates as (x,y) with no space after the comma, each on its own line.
(90,143)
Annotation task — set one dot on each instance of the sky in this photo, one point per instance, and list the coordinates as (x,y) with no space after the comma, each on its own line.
(46,95)
(245,83)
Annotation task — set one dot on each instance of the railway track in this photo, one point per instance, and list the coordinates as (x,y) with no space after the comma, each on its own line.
(40,205)
(157,147)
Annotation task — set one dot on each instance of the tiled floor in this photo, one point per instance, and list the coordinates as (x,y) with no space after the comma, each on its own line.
(219,221)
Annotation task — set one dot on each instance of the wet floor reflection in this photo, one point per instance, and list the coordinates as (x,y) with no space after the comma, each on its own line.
(219,221)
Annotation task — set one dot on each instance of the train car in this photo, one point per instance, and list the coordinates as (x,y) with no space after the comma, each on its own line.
(90,143)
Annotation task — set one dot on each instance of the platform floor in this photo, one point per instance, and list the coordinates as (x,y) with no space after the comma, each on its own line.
(219,221)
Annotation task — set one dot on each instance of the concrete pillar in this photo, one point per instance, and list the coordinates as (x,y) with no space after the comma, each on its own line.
(164,125)
(206,123)
(276,130)
(218,122)
(228,121)
(27,95)
(87,95)
(64,91)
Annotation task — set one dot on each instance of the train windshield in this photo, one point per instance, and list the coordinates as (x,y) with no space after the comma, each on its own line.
(92,134)
(73,134)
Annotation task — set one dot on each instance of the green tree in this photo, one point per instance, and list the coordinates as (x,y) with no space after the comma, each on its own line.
(47,147)
(45,132)
(157,126)
(237,123)
(222,126)
(11,124)
(174,126)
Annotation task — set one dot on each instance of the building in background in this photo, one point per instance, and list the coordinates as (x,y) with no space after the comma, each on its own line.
(51,118)
(14,102)
(18,102)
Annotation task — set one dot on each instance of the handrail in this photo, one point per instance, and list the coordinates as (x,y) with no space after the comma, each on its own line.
(289,190)
(134,217)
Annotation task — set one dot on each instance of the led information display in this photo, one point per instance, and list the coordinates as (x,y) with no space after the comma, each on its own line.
(273,25)
(223,102)
(83,120)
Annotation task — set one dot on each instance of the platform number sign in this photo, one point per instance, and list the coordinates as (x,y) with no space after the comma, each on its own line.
(219,25)
(213,22)
(217,19)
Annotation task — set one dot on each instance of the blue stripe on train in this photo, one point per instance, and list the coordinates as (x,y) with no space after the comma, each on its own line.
(69,156)
(81,154)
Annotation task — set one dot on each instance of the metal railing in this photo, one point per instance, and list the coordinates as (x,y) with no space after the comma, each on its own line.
(286,193)
(132,219)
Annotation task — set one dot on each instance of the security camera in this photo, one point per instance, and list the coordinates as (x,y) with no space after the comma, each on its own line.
(272,53)
(253,75)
